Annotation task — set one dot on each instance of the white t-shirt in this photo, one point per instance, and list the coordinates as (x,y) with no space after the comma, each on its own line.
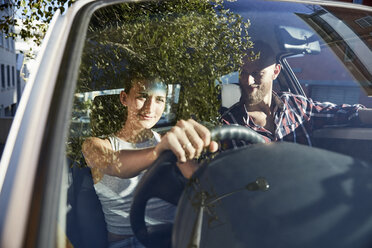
(116,195)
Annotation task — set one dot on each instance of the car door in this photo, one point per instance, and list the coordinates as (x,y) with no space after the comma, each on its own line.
(33,170)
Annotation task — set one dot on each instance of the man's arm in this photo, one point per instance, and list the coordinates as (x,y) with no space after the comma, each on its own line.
(330,114)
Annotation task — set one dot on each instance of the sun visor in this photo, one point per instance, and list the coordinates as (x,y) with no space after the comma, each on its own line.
(295,40)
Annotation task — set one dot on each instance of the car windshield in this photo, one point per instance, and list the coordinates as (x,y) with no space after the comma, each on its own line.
(325,53)
(199,49)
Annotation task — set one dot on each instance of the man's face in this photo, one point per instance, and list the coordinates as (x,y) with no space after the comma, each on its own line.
(256,81)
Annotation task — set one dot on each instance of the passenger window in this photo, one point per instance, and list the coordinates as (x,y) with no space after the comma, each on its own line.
(324,78)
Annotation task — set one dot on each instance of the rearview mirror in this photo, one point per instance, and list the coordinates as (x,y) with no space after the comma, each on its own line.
(297,40)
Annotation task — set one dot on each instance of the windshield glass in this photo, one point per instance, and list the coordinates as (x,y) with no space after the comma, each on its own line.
(206,52)
(325,53)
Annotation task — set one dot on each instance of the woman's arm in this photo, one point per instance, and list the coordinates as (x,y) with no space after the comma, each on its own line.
(124,163)
(187,140)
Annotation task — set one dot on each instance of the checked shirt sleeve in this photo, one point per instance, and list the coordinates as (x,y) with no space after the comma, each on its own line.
(323,114)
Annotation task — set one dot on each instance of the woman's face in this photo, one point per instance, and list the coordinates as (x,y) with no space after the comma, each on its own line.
(145,103)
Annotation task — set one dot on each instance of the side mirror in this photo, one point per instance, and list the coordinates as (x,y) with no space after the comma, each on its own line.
(297,40)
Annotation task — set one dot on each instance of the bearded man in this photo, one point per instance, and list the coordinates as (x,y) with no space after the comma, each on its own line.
(283,116)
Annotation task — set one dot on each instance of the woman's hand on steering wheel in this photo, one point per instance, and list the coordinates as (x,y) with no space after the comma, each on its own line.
(162,180)
(186,140)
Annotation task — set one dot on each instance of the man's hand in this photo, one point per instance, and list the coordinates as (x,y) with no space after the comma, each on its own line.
(365,115)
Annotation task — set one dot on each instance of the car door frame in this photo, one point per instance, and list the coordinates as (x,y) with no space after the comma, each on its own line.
(33,160)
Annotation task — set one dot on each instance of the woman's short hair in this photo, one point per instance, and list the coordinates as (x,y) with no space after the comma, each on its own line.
(137,77)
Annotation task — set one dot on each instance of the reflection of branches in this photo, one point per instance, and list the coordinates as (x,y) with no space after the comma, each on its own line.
(165,32)
(191,43)
(126,48)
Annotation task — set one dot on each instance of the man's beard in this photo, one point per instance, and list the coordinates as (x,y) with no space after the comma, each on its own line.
(251,99)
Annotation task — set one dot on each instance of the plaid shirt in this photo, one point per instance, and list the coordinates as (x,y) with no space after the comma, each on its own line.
(296,117)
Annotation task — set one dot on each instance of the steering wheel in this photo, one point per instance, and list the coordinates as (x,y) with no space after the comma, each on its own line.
(163,180)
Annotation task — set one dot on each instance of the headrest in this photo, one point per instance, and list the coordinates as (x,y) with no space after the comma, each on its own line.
(230,94)
(107,115)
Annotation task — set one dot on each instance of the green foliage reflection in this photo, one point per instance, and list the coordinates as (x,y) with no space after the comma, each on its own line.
(187,42)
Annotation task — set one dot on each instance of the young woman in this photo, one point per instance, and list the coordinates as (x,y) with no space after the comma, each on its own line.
(117,162)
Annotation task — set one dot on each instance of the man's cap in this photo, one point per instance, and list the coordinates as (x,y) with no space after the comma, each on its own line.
(261,53)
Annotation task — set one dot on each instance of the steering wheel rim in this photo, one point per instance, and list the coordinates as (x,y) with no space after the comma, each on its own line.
(171,186)
(236,132)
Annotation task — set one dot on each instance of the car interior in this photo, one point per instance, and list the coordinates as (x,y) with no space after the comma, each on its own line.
(278,199)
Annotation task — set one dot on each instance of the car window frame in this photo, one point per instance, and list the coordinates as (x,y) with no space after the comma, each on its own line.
(54,140)
(40,226)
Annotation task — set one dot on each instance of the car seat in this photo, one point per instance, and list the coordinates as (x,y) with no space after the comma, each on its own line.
(107,115)
(230,94)
(86,226)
